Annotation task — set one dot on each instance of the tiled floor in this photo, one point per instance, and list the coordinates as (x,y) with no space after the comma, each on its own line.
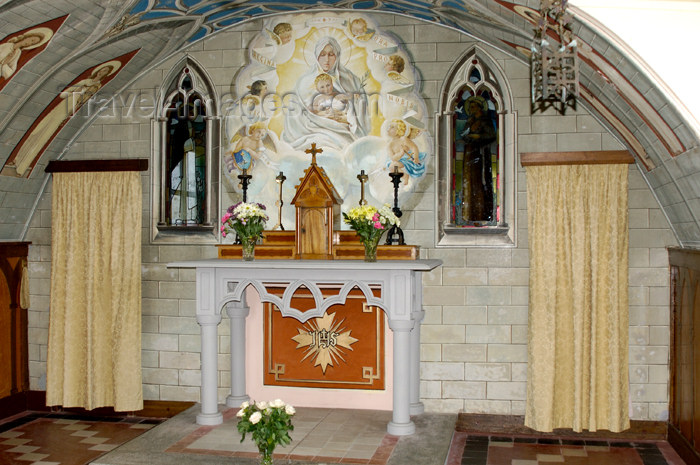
(53,439)
(320,436)
(507,450)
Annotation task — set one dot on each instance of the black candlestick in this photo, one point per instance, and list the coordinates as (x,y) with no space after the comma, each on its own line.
(245,180)
(395,230)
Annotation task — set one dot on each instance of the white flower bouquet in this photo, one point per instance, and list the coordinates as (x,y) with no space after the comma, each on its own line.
(269,424)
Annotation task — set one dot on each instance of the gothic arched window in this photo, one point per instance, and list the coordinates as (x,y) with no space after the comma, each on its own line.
(476,172)
(185,130)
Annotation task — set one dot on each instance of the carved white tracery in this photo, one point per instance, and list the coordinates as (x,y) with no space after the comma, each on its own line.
(236,289)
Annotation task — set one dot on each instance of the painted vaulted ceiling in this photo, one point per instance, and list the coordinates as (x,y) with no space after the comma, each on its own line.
(614,86)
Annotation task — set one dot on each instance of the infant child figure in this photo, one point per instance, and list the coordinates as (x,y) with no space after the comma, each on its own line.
(329,103)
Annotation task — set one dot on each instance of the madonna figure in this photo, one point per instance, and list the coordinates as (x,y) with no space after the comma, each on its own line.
(303,125)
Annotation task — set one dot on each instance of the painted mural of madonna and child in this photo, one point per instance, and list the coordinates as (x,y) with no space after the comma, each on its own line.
(334,80)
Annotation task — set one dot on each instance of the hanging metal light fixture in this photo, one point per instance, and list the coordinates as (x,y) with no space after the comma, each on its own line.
(554,59)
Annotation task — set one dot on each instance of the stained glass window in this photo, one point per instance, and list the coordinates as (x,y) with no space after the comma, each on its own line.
(476,163)
(475,176)
(185,140)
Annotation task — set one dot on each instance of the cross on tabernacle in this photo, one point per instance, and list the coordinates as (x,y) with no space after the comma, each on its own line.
(313,151)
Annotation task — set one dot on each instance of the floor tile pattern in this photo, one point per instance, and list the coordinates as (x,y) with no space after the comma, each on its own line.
(506,450)
(320,436)
(64,439)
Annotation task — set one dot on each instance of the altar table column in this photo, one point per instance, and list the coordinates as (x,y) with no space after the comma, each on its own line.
(401,424)
(237,312)
(417,406)
(417,315)
(210,371)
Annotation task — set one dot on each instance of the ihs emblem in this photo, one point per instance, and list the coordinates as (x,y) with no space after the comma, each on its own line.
(325,340)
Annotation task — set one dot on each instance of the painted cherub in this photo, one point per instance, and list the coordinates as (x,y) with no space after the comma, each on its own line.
(404,156)
(329,103)
(282,33)
(248,148)
(394,67)
(252,102)
(358,29)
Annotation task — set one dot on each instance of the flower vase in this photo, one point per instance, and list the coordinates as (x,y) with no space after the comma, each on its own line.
(265,457)
(371,249)
(248,247)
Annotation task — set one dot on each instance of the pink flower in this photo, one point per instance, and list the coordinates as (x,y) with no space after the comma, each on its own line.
(226,217)
(378,225)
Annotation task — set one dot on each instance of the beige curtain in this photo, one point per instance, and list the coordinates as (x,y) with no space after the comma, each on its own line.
(578,327)
(94,353)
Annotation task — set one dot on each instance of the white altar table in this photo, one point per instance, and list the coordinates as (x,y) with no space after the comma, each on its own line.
(221,283)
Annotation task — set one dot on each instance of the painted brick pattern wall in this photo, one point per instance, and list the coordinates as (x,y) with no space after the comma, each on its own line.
(474,336)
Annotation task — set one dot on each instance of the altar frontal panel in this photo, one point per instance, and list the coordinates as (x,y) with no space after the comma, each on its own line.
(344,349)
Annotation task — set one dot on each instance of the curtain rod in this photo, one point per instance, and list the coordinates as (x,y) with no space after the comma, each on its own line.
(601,157)
(76,166)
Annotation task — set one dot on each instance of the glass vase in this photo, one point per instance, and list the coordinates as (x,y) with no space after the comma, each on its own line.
(265,457)
(371,249)
(248,248)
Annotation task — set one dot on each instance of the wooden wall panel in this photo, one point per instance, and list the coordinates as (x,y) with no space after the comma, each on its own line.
(684,415)
(344,349)
(14,364)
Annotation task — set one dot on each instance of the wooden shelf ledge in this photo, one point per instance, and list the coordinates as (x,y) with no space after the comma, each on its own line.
(81,166)
(601,157)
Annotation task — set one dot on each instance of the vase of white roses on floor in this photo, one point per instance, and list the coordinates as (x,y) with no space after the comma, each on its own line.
(269,424)
(370,223)
(247,220)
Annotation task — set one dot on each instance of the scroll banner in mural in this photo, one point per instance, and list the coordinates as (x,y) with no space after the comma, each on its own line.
(344,349)
(336,80)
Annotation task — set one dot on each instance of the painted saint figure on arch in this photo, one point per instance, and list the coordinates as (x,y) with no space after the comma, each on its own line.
(11,50)
(63,107)
(18,48)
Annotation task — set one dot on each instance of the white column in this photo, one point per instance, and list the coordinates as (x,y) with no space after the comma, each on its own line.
(237,312)
(401,424)
(417,315)
(210,409)
(417,406)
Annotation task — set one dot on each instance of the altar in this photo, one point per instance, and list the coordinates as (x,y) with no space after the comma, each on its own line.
(395,286)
